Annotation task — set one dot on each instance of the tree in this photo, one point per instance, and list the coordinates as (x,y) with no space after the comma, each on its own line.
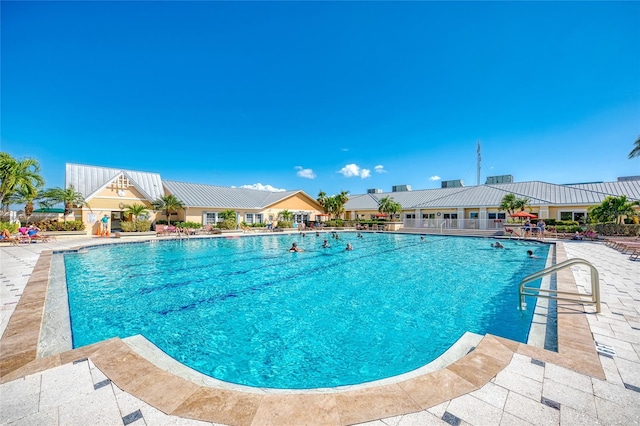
(227,215)
(511,203)
(635,152)
(521,203)
(168,204)
(612,210)
(69,197)
(135,210)
(24,194)
(286,215)
(14,174)
(388,206)
(337,202)
(322,200)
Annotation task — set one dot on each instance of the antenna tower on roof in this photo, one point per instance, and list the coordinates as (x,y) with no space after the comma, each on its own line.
(479,158)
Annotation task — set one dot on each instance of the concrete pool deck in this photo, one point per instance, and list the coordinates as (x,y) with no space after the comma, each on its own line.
(499,382)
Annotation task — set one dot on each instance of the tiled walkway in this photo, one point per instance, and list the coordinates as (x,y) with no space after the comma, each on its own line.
(534,387)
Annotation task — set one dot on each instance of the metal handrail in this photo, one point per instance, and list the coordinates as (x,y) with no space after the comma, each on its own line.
(595,284)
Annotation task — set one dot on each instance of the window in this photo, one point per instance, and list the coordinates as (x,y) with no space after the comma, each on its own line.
(428,215)
(473,215)
(300,217)
(121,182)
(248,218)
(258,218)
(210,218)
(575,216)
(410,215)
(497,216)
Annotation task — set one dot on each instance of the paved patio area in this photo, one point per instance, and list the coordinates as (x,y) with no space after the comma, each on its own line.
(500,382)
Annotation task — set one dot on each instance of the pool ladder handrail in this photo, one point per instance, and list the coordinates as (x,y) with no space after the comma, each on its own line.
(595,285)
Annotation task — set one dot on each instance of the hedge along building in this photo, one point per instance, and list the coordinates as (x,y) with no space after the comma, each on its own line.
(108,191)
(477,207)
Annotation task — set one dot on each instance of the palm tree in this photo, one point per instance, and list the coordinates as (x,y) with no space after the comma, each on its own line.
(286,215)
(227,215)
(26,195)
(16,174)
(322,200)
(521,203)
(69,197)
(635,152)
(168,204)
(612,209)
(388,206)
(511,203)
(135,210)
(508,203)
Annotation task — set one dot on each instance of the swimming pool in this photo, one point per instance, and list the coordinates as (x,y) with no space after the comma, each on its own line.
(246,311)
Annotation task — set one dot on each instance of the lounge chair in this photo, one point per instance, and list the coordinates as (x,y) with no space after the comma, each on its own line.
(161,230)
(32,237)
(12,240)
(511,232)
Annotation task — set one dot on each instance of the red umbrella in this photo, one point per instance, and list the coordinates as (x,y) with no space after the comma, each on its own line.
(381,215)
(524,214)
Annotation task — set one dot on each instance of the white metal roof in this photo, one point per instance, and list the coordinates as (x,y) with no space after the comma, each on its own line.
(538,193)
(88,180)
(200,195)
(630,188)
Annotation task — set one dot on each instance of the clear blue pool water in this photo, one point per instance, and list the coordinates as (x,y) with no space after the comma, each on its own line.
(245,310)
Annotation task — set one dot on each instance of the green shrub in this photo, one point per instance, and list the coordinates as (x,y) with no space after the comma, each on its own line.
(285,224)
(12,227)
(227,224)
(139,226)
(128,226)
(572,229)
(54,225)
(190,225)
(627,230)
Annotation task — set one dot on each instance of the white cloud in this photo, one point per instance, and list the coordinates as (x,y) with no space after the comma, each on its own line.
(344,149)
(379,169)
(305,173)
(351,170)
(436,177)
(261,187)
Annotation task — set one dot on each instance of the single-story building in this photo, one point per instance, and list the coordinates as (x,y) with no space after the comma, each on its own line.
(107,191)
(477,207)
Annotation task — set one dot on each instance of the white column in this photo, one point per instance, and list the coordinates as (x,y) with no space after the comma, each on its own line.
(482,218)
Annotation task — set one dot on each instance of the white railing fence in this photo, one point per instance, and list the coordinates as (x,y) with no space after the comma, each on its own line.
(439,224)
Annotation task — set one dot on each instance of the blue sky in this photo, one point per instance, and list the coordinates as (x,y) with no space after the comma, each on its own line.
(324,96)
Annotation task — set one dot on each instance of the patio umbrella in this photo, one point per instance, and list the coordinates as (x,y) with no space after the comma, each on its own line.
(525,214)
(381,215)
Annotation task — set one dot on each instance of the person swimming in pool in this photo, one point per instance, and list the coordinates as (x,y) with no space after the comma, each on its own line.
(349,247)
(531,255)
(498,244)
(295,248)
(326,244)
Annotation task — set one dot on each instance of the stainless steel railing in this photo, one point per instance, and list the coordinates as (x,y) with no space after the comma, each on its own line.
(553,294)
